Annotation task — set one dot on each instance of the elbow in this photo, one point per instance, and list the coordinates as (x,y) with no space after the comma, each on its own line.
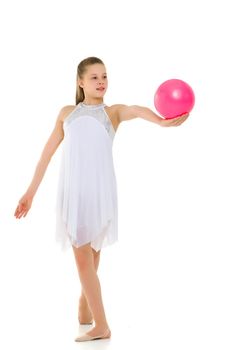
(139,111)
(135,111)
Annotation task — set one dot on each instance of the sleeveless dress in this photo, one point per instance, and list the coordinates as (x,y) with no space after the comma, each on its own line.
(86,204)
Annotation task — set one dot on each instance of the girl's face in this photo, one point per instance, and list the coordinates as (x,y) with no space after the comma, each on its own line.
(95,81)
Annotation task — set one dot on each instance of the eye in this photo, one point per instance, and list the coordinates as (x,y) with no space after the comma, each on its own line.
(94,77)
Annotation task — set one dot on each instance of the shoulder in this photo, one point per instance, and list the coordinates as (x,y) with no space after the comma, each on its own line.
(123,112)
(65,111)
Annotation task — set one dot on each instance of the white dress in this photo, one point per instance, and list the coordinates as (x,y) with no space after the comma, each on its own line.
(86,205)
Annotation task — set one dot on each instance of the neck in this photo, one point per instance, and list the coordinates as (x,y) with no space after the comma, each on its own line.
(93,101)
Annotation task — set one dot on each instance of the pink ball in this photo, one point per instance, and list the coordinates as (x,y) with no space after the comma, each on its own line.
(173,98)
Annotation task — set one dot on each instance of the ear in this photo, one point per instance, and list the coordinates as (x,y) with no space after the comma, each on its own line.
(80,83)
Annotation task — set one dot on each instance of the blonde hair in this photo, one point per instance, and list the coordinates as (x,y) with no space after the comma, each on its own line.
(81,69)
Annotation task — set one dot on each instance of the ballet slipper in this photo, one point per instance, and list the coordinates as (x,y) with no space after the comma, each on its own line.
(87,337)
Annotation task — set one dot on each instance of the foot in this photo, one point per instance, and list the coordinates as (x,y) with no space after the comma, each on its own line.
(84,313)
(94,334)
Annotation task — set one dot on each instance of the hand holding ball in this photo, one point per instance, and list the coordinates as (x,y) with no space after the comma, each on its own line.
(173,98)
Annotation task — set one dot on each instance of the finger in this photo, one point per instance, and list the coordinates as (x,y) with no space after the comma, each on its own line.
(17,212)
(176,120)
(21,215)
(183,116)
(181,120)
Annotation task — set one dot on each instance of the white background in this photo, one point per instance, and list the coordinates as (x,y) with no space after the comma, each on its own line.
(167,283)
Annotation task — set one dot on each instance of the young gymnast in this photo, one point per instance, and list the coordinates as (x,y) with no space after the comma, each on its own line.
(86,206)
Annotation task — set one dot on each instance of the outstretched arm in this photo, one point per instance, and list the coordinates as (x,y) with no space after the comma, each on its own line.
(129,112)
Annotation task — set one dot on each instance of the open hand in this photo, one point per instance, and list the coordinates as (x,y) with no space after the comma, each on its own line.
(23,207)
(174,121)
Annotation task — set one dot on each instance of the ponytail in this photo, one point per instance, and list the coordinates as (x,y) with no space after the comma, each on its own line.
(79,94)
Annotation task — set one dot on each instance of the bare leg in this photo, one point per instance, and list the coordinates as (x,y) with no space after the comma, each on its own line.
(84,313)
(91,287)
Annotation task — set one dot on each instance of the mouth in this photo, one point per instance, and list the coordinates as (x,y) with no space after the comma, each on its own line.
(100,89)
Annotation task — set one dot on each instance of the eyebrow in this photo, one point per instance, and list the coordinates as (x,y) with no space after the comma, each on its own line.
(97,74)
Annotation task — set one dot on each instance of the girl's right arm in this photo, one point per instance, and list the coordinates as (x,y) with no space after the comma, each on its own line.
(50,147)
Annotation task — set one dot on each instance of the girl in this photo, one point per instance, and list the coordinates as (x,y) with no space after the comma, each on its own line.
(86,207)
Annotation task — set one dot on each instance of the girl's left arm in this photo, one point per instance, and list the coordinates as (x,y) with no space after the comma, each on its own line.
(129,112)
